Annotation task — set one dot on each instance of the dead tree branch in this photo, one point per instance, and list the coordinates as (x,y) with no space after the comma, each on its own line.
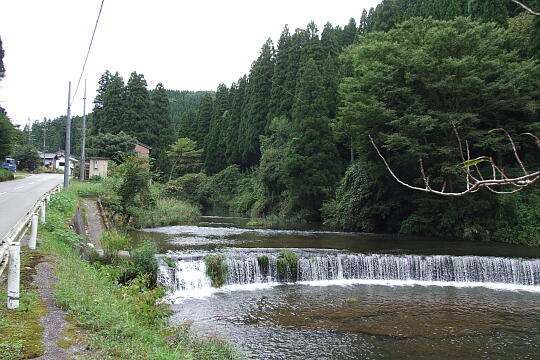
(529,10)
(474,182)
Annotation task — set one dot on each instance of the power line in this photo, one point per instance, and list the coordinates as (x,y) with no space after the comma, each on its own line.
(88,53)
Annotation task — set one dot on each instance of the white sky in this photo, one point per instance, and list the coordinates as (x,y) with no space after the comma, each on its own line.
(193,45)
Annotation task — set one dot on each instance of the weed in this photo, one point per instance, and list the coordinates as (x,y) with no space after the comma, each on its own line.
(264,263)
(169,261)
(167,211)
(287,263)
(216,269)
(113,242)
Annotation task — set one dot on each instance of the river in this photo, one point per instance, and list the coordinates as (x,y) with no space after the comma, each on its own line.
(353,296)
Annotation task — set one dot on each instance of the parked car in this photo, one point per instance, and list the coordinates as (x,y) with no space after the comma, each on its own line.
(10,164)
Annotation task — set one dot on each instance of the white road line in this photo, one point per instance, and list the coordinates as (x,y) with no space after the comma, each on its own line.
(30,183)
(20,187)
(2,193)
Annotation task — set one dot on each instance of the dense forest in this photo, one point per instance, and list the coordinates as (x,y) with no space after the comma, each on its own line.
(289,141)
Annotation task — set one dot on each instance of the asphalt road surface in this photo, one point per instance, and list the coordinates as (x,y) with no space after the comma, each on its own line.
(18,196)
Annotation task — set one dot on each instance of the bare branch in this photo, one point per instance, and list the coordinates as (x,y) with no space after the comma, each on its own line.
(534,136)
(513,148)
(499,178)
(531,11)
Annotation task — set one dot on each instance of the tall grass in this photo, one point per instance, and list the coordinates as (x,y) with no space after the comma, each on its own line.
(166,211)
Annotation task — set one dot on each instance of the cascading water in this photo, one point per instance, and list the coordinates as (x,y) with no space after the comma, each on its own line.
(423,268)
(186,275)
(248,269)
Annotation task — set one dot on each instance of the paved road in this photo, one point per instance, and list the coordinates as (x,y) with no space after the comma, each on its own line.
(18,196)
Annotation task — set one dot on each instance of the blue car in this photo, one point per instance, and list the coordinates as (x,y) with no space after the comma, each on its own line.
(10,164)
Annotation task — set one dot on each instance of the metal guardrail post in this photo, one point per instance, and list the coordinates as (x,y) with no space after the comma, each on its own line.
(33,234)
(43,210)
(14,275)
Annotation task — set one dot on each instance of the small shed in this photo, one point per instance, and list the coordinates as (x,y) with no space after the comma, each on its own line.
(96,166)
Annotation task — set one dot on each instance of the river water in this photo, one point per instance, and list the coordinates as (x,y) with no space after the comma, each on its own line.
(354,296)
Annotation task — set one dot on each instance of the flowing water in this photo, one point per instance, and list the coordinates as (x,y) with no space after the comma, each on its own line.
(351,295)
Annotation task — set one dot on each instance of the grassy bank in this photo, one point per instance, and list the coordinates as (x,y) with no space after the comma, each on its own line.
(159,210)
(20,329)
(120,316)
(6,175)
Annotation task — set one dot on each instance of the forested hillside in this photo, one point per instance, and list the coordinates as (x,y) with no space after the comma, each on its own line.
(289,140)
(6,129)
(182,102)
(297,125)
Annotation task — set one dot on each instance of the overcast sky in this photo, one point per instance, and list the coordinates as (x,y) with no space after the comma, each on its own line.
(193,45)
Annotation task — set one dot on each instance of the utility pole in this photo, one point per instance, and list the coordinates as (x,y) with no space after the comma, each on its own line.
(44,133)
(83,160)
(29,132)
(68,140)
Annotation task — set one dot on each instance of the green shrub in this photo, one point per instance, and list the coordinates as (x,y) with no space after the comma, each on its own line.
(6,175)
(246,199)
(190,187)
(518,218)
(62,202)
(287,264)
(216,269)
(143,261)
(113,242)
(264,263)
(95,179)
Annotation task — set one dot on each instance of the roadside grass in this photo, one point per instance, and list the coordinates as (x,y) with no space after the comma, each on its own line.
(122,320)
(21,175)
(6,175)
(20,329)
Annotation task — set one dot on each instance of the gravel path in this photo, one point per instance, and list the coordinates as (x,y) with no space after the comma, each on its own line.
(54,321)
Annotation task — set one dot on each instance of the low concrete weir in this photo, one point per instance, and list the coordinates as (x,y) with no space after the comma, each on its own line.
(190,273)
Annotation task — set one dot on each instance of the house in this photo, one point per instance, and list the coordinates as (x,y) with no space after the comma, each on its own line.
(96,166)
(142,150)
(57,160)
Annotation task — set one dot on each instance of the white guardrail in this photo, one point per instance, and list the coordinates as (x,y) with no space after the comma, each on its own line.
(10,245)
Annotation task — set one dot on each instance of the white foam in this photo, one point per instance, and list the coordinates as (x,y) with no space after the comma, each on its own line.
(176,297)
(392,283)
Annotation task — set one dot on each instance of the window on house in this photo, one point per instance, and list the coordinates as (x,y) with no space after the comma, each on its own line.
(95,164)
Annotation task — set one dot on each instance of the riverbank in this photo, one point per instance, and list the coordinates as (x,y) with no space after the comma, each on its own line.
(120,317)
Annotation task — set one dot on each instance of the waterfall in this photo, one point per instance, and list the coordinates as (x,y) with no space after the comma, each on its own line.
(187,275)
(247,269)
(441,268)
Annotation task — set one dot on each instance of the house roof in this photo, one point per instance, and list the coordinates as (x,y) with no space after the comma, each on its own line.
(52,155)
(143,145)
(47,155)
